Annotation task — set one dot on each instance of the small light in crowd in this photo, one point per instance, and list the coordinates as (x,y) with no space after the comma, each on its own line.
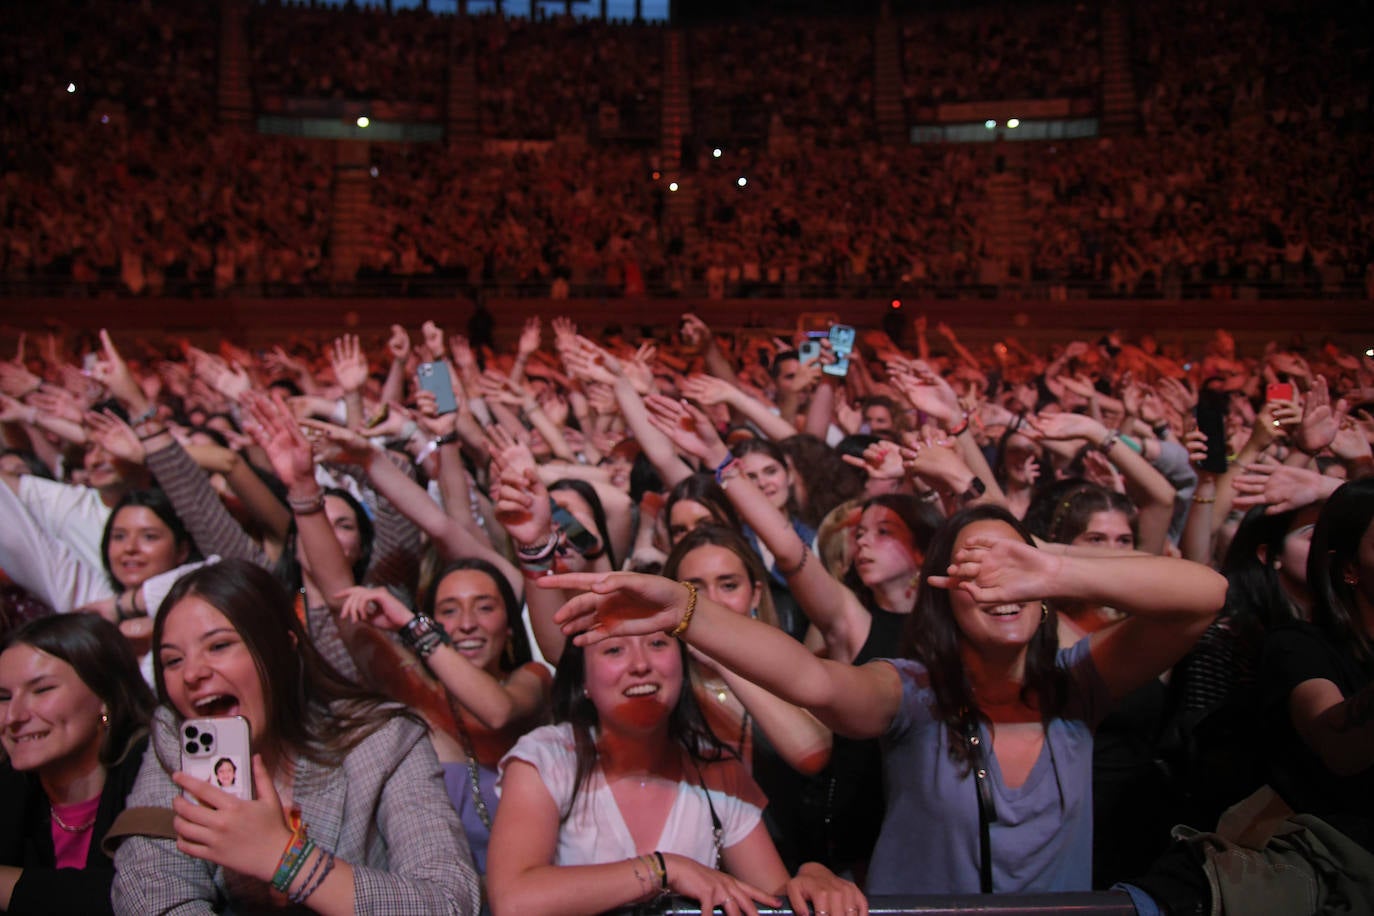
(373,172)
(989,123)
(104,119)
(672,186)
(363,121)
(71,87)
(1014,123)
(657,174)
(716,152)
(1369,352)
(742,181)
(896,303)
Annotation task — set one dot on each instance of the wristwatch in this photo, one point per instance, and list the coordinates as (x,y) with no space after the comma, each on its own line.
(976,488)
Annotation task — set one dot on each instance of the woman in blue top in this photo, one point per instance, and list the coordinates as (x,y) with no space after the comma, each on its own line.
(980,658)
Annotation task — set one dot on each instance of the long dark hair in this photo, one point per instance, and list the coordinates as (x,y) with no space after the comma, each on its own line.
(686,724)
(769,449)
(826,477)
(921,520)
(312,709)
(708,535)
(1253,587)
(101,657)
(1061,511)
(703,490)
(517,643)
(588,493)
(288,567)
(156,502)
(1333,557)
(932,637)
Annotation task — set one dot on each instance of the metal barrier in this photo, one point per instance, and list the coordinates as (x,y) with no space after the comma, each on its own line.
(1076,904)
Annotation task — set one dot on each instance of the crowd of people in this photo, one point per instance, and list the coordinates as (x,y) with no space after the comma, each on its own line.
(589,620)
(117,176)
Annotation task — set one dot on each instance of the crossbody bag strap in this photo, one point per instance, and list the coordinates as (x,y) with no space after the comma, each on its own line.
(717,831)
(987,811)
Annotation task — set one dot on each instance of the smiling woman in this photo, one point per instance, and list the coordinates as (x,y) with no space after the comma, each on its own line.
(983,709)
(632,797)
(343,781)
(73,717)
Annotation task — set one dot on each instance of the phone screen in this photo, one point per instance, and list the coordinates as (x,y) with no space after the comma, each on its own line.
(842,344)
(1211,421)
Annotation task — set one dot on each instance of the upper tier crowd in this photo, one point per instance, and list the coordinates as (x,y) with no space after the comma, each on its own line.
(126,182)
(591,620)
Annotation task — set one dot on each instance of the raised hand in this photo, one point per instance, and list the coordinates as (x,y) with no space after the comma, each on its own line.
(995,570)
(617,604)
(926,390)
(350,363)
(695,332)
(1069,426)
(398,344)
(529,337)
(881,461)
(115,436)
(336,444)
(113,372)
(1320,421)
(686,427)
(374,606)
(274,429)
(707,390)
(1280,487)
(434,339)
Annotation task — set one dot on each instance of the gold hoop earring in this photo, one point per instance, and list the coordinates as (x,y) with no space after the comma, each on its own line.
(1044,611)
(104,719)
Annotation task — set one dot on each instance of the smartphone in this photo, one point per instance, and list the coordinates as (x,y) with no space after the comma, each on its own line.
(1211,411)
(841,344)
(1279,391)
(434,378)
(89,362)
(582,540)
(216,751)
(809,351)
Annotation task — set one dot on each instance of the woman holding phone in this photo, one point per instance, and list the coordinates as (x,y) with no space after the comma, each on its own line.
(74,712)
(349,813)
(983,711)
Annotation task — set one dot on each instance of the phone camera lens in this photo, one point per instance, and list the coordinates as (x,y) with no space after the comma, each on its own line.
(191,732)
(206,740)
(191,747)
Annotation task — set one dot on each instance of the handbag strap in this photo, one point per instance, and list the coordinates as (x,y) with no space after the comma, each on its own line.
(717,831)
(987,812)
(152,822)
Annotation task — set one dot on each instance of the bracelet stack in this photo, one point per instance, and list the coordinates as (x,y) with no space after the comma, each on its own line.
(1108,441)
(660,870)
(423,635)
(299,850)
(537,559)
(293,857)
(307,506)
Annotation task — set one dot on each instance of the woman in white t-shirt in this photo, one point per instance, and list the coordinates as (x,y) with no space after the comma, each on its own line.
(630,796)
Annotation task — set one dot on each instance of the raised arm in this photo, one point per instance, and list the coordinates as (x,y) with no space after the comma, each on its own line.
(859,702)
(839,616)
(1170,602)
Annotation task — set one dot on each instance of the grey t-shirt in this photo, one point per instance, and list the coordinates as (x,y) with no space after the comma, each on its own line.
(1043,837)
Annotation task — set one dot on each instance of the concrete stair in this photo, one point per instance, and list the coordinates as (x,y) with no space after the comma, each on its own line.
(888,99)
(352,203)
(235,89)
(1120,108)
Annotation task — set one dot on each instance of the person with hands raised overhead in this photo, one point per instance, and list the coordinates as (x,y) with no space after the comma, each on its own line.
(630,798)
(348,813)
(980,695)
(471,637)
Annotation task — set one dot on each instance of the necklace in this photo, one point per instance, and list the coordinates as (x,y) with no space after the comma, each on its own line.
(71,828)
(474,783)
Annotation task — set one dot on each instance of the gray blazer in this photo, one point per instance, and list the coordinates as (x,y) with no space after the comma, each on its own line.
(384,811)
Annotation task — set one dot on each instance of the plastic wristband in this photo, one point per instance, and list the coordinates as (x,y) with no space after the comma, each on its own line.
(959,430)
(723,467)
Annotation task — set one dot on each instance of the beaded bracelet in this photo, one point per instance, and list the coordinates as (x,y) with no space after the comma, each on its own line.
(422,635)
